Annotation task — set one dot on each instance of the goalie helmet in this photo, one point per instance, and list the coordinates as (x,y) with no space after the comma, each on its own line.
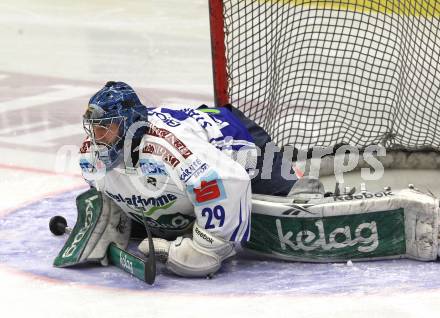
(109,115)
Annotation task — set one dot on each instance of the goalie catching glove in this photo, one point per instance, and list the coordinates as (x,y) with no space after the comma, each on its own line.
(197,257)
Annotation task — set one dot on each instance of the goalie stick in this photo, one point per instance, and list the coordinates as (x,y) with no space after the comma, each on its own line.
(145,270)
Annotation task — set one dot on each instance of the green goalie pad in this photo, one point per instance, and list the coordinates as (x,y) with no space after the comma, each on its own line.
(100,222)
(359,227)
(89,206)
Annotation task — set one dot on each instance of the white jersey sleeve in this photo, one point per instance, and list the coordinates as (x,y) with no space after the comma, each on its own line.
(218,187)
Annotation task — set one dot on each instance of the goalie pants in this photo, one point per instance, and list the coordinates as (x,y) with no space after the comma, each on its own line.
(277,184)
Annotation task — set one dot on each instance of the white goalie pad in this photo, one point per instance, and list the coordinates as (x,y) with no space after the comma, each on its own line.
(362,226)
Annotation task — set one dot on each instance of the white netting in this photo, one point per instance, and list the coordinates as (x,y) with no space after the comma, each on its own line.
(323,73)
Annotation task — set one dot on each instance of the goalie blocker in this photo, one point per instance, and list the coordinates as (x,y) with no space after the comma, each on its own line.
(365,226)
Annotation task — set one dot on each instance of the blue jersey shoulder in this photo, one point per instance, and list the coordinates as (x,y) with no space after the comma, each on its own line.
(222,118)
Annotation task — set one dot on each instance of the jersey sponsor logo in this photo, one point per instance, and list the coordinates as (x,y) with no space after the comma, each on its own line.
(85,147)
(91,172)
(362,196)
(168,120)
(85,165)
(159,150)
(150,167)
(177,221)
(149,205)
(194,169)
(170,138)
(210,190)
(201,120)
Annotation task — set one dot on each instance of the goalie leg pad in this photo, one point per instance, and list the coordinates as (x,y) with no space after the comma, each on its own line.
(362,226)
(99,222)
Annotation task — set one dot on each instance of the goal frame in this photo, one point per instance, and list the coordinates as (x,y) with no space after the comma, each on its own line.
(218,51)
(395,158)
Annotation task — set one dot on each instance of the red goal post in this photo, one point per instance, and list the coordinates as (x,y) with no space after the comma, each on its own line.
(218,49)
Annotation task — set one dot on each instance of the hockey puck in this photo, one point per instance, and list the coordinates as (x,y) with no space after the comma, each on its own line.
(57,225)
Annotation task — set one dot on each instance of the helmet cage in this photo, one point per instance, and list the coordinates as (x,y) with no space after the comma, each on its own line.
(110,138)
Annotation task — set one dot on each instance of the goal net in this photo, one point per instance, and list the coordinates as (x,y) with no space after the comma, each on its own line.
(325,73)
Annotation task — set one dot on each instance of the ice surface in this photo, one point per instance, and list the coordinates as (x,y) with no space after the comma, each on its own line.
(52,49)
(27,245)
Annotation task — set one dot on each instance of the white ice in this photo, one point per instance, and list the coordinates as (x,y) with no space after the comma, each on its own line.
(53,49)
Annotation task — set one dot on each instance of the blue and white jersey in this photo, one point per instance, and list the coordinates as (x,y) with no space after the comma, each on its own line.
(223,130)
(196,148)
(192,166)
